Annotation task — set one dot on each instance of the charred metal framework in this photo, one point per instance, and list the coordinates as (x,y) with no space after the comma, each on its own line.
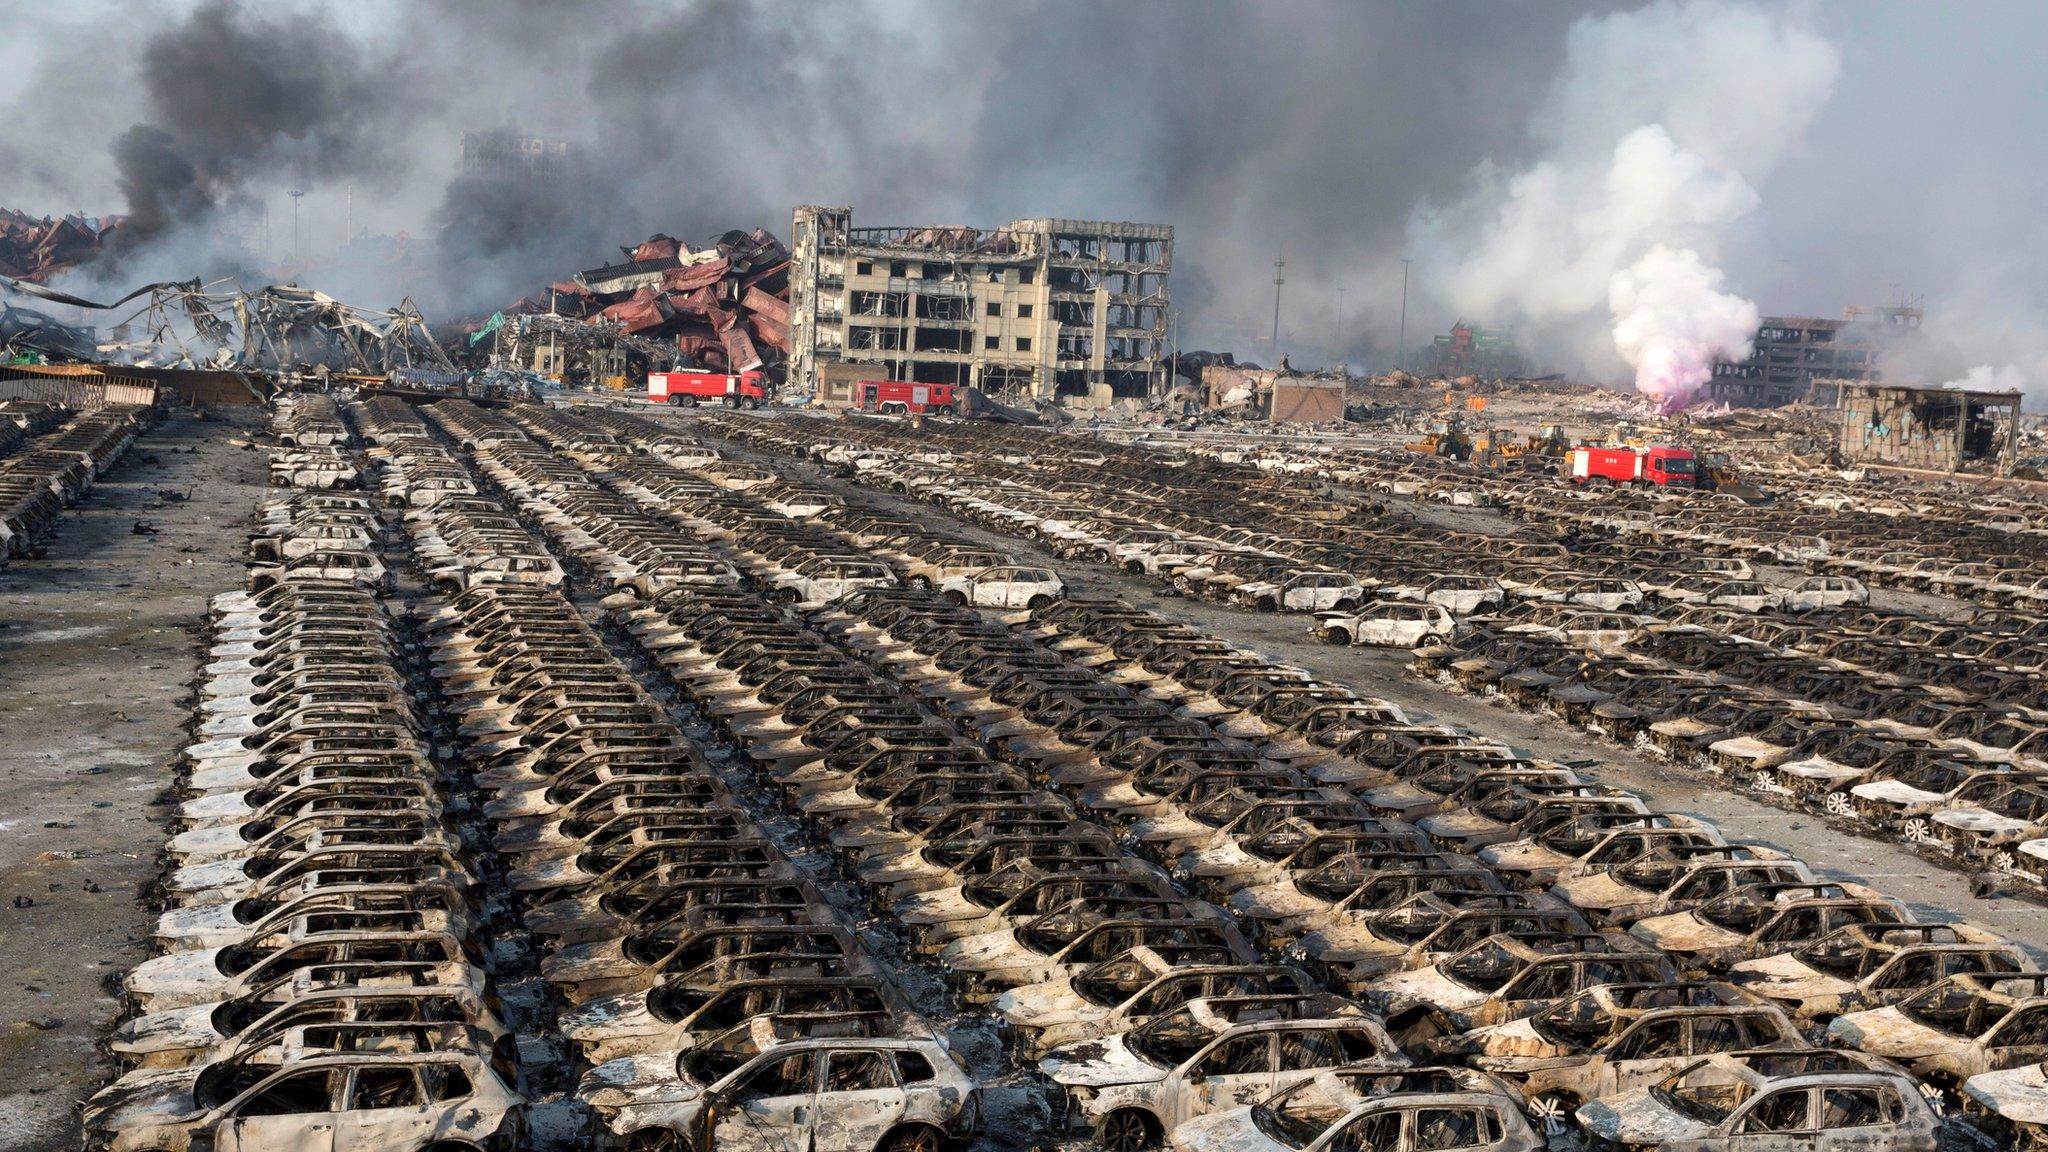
(1073,310)
(1794,352)
(1941,429)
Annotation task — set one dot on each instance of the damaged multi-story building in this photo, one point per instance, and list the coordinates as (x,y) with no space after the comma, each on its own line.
(1042,309)
(1795,352)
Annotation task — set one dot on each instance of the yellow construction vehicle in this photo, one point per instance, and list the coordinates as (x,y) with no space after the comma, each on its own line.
(1449,440)
(1550,442)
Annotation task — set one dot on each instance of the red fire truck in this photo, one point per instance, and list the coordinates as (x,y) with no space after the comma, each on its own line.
(901,396)
(1673,467)
(688,389)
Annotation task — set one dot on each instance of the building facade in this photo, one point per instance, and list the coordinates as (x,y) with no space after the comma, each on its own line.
(499,153)
(1279,397)
(1937,429)
(1792,352)
(1045,309)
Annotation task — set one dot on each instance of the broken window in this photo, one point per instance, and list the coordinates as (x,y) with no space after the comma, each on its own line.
(1850,1108)
(1711,1034)
(446,1082)
(1076,345)
(882,339)
(992,343)
(293,1095)
(864,268)
(789,1076)
(995,308)
(897,268)
(1026,276)
(1023,343)
(384,1088)
(1442,1128)
(913,1068)
(857,1072)
(1244,1056)
(1373,1133)
(1023,311)
(1779,1112)
(943,307)
(1652,1041)
(942,340)
(1145,316)
(878,303)
(2030,1030)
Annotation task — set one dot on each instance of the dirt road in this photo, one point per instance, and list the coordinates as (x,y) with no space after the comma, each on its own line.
(99,641)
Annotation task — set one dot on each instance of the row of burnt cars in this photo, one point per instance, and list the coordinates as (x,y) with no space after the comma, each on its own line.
(1127,747)
(717,988)
(54,458)
(1755,928)
(1925,728)
(1974,543)
(324,935)
(1014,890)
(1366,574)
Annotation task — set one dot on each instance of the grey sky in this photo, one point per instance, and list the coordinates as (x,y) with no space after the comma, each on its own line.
(1313,128)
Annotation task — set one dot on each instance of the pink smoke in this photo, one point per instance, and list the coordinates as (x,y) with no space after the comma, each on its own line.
(1672,322)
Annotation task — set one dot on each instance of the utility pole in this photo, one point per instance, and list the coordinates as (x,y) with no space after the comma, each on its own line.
(295,194)
(1279,268)
(1405,261)
(1173,339)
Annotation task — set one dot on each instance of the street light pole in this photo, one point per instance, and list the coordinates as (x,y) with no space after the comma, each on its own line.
(295,194)
(1279,266)
(1405,261)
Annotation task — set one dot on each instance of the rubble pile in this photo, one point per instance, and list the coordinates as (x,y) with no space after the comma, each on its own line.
(38,247)
(724,307)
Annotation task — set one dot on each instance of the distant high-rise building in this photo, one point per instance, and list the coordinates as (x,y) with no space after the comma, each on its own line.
(500,153)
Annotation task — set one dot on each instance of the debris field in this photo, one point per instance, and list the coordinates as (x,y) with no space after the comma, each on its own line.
(598,776)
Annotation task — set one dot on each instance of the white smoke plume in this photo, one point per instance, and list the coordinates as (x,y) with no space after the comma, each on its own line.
(1662,126)
(1985,378)
(1672,321)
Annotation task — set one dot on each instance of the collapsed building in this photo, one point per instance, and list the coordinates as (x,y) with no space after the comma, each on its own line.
(1937,429)
(39,247)
(1275,395)
(1040,309)
(1795,353)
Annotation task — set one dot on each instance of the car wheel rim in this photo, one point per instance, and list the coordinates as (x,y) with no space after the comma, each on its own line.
(1917,831)
(918,1141)
(1124,1134)
(1762,783)
(1837,803)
